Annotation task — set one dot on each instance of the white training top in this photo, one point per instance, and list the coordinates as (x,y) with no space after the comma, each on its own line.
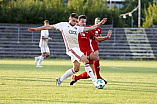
(44,42)
(70,34)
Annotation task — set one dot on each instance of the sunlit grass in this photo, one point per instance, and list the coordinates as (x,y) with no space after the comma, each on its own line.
(131,82)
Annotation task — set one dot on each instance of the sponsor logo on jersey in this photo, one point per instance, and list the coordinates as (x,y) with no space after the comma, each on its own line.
(72,32)
(83,34)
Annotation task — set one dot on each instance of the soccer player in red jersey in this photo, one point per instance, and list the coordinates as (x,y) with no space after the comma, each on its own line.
(84,44)
(95,48)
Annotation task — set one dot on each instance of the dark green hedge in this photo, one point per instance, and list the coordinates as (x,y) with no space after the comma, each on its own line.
(36,11)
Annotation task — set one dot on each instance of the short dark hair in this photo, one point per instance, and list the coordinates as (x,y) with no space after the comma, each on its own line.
(46,21)
(82,16)
(74,15)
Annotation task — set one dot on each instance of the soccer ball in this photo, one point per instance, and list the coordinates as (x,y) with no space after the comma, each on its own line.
(99,84)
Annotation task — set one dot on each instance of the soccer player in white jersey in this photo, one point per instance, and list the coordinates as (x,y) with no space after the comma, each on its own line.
(43,44)
(70,35)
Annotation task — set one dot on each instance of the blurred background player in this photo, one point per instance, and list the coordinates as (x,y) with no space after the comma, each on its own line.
(84,44)
(94,45)
(43,44)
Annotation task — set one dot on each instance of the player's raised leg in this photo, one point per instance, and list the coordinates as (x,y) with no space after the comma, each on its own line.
(75,55)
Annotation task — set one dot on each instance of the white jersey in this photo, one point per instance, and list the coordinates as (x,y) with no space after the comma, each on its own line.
(70,34)
(44,42)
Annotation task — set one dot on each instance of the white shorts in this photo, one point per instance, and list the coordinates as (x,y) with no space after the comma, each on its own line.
(45,50)
(75,54)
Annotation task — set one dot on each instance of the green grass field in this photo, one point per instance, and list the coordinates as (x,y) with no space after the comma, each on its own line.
(129,82)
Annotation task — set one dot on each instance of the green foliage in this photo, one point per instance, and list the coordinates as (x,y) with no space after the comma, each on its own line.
(129,5)
(150,16)
(148,19)
(95,8)
(35,11)
(76,6)
(32,11)
(118,22)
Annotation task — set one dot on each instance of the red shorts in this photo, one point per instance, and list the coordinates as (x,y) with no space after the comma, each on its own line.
(95,45)
(95,48)
(87,53)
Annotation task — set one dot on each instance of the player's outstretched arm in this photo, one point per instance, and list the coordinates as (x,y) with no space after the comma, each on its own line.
(46,38)
(99,39)
(46,27)
(95,26)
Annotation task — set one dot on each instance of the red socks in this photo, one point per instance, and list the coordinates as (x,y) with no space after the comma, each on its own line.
(83,75)
(97,69)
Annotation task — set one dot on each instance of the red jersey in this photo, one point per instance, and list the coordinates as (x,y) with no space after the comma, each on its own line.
(94,43)
(84,41)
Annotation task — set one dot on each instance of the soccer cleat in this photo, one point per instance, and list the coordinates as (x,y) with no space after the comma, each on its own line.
(39,66)
(73,80)
(58,82)
(104,80)
(36,59)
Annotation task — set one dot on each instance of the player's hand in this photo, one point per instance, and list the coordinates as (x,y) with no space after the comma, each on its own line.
(32,30)
(109,34)
(50,39)
(103,21)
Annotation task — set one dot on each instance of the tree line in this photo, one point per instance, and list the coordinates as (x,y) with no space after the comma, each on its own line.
(36,11)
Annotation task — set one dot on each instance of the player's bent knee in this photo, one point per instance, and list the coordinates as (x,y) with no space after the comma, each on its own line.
(94,57)
(84,59)
(47,55)
(97,58)
(76,69)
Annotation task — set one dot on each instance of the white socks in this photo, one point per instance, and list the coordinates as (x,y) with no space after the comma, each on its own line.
(90,72)
(40,60)
(70,72)
(67,74)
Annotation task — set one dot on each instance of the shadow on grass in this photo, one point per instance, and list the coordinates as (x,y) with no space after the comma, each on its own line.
(133,86)
(44,101)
